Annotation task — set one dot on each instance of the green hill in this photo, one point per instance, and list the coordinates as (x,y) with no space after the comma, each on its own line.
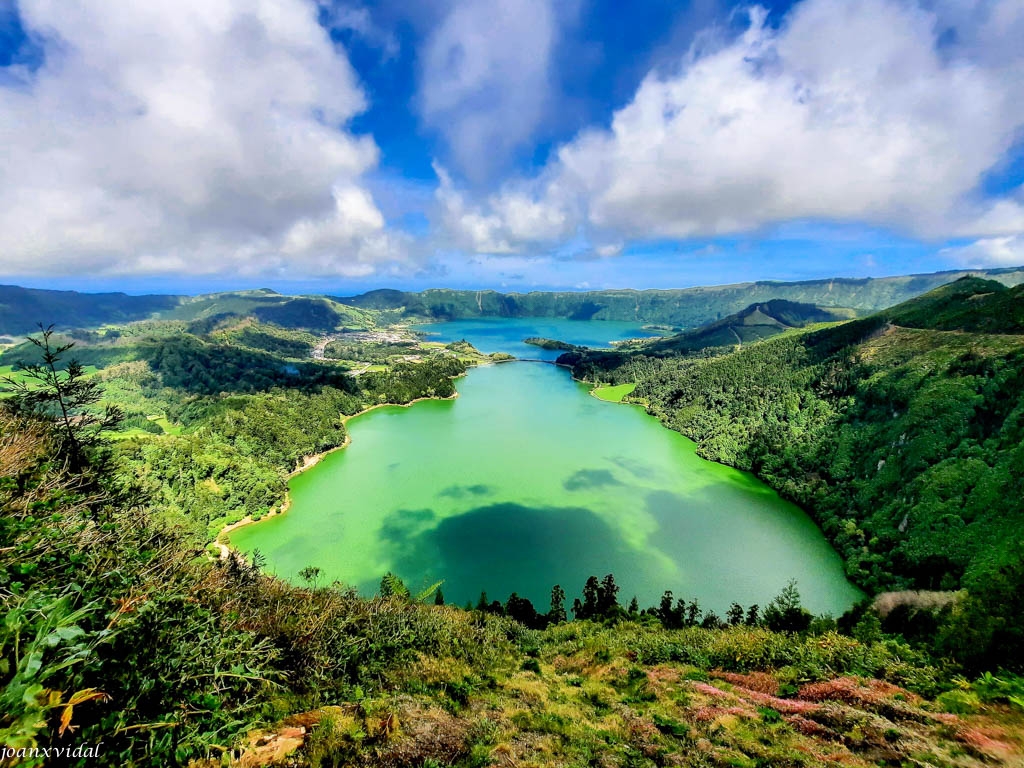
(754,323)
(310,313)
(905,443)
(22,309)
(968,304)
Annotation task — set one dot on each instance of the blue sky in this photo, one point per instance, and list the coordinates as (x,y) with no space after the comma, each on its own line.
(321,145)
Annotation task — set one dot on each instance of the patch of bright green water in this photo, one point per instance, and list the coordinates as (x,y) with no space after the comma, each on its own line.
(526,481)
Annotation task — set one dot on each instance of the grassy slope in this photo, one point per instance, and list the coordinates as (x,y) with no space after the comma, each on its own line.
(638,696)
(613,394)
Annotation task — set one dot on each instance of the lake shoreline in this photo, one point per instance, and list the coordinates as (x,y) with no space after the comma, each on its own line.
(312,460)
(307,463)
(679,491)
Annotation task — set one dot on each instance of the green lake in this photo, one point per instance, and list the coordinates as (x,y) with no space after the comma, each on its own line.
(525,481)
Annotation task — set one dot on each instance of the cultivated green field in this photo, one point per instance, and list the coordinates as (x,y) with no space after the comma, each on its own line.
(19,377)
(613,394)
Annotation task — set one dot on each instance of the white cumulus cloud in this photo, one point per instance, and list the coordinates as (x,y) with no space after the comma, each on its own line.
(1005,251)
(203,136)
(502,223)
(485,79)
(868,112)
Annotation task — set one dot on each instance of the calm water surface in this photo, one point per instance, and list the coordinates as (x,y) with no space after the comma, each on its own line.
(525,481)
(497,334)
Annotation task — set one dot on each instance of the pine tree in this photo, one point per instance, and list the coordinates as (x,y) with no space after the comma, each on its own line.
(556,614)
(66,395)
(785,613)
(591,594)
(577,609)
(665,612)
(607,597)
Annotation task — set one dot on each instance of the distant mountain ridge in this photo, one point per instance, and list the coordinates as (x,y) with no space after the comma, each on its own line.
(685,307)
(22,308)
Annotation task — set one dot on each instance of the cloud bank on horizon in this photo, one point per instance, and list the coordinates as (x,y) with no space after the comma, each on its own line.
(508,142)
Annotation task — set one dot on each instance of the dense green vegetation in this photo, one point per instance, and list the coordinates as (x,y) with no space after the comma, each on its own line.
(117,630)
(239,418)
(295,344)
(368,351)
(537,341)
(631,360)
(901,433)
(22,309)
(904,443)
(754,323)
(976,305)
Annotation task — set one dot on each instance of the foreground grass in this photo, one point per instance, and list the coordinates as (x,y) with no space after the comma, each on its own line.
(613,394)
(638,695)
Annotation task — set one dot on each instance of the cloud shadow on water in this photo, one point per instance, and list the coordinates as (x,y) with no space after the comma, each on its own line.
(466,491)
(508,547)
(590,478)
(637,469)
(403,524)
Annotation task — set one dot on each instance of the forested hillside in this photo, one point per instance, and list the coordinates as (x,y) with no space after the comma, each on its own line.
(754,323)
(21,309)
(234,412)
(969,304)
(905,444)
